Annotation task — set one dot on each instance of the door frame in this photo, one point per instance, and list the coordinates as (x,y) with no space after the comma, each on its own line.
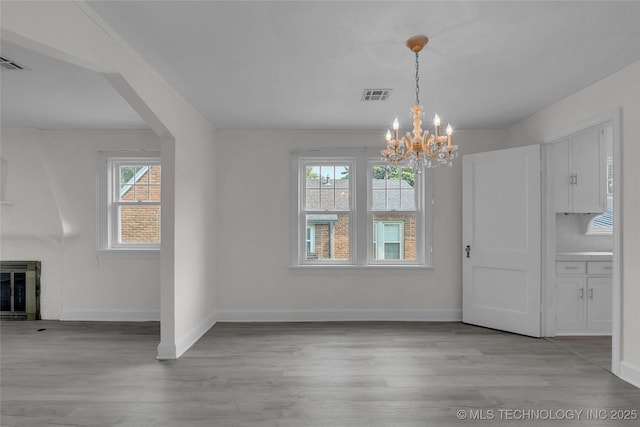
(549,233)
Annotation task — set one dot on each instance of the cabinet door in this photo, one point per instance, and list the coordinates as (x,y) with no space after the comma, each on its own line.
(588,165)
(570,304)
(599,309)
(561,176)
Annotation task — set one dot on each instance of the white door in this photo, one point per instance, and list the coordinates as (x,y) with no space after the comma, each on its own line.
(501,237)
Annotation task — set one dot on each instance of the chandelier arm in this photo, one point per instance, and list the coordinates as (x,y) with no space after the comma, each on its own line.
(407,147)
(425,143)
(428,146)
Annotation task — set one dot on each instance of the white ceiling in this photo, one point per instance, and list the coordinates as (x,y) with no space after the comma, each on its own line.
(305,64)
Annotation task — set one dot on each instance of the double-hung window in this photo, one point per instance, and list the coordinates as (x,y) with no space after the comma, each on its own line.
(327,207)
(352,210)
(130,215)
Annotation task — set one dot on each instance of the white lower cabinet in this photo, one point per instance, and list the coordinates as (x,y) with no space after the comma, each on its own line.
(583,297)
(599,301)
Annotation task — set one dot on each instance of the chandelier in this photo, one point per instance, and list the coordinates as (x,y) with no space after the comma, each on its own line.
(421,148)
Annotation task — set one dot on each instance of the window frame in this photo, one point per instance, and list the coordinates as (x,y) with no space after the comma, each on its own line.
(302,212)
(420,217)
(592,230)
(108,212)
(361,257)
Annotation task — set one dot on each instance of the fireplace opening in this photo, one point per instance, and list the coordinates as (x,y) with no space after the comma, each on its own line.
(20,290)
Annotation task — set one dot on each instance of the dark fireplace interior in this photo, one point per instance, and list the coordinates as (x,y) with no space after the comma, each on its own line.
(20,290)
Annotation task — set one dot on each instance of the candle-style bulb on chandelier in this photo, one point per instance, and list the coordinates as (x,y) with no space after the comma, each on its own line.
(421,148)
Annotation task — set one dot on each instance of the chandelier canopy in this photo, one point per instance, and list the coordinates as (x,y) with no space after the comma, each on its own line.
(421,148)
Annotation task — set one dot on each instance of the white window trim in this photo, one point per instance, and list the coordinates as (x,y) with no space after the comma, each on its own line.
(361,248)
(107,207)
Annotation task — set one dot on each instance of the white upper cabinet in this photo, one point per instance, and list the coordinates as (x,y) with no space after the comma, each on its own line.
(579,172)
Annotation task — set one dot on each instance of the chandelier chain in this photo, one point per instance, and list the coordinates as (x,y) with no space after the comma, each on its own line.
(417,80)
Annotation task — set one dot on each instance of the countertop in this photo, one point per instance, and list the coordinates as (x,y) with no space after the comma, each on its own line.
(584,256)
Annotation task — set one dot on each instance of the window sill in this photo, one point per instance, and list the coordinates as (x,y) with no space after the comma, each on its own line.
(356,270)
(599,233)
(129,253)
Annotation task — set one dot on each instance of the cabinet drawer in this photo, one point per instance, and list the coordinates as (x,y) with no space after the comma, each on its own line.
(570,267)
(599,267)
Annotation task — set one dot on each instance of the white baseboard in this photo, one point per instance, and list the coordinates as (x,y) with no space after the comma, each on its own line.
(192,337)
(100,315)
(170,351)
(427,315)
(583,333)
(630,373)
(166,351)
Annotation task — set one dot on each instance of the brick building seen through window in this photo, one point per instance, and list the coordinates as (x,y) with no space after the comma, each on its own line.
(139,207)
(394,233)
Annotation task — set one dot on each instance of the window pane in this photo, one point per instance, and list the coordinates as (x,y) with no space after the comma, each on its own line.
(394,236)
(139,183)
(312,200)
(327,236)
(154,183)
(392,251)
(327,188)
(127,191)
(154,193)
(141,192)
(19,291)
(139,224)
(142,177)
(391,232)
(392,189)
(126,173)
(311,245)
(342,193)
(5,291)
(604,223)
(378,202)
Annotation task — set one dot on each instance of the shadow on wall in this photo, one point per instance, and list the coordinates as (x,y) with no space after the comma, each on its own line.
(33,205)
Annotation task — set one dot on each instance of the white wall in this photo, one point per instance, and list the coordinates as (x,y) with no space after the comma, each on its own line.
(254,281)
(570,235)
(619,90)
(51,215)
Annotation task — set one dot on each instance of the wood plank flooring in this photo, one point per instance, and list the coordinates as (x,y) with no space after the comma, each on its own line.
(595,349)
(348,374)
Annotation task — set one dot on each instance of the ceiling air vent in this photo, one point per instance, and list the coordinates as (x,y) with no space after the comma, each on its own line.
(376,94)
(8,64)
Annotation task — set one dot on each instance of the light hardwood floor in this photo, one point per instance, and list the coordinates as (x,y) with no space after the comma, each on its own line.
(351,374)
